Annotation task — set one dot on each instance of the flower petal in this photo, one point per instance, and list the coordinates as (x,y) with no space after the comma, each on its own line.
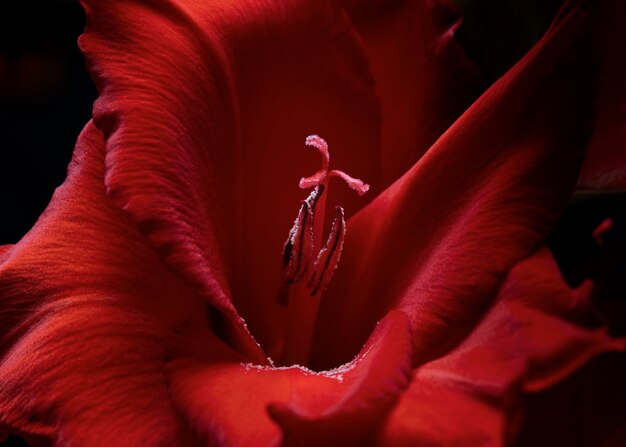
(423,78)
(234,404)
(82,244)
(4,249)
(89,372)
(204,106)
(438,242)
(528,341)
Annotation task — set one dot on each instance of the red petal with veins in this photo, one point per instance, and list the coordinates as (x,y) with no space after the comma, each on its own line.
(3,250)
(204,106)
(423,78)
(84,307)
(528,341)
(439,241)
(89,372)
(233,404)
(82,244)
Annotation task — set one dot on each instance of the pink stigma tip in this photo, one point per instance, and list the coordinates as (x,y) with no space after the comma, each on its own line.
(320,176)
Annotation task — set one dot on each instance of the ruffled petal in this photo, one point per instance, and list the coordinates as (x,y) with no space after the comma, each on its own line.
(205,107)
(232,404)
(530,340)
(88,372)
(439,241)
(423,78)
(82,244)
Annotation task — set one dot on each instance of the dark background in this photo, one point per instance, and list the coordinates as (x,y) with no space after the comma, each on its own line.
(45,100)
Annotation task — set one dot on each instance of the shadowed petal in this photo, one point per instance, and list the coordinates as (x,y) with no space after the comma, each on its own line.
(82,244)
(234,404)
(587,409)
(439,241)
(529,340)
(423,78)
(89,373)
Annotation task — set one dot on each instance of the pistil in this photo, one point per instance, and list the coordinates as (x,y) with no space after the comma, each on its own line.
(308,265)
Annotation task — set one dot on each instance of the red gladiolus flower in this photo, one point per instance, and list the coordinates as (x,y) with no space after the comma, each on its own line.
(167,297)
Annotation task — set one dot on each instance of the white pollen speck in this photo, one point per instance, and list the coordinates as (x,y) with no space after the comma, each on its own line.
(335,373)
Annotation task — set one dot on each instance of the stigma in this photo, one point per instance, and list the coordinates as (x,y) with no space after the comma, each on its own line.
(303,253)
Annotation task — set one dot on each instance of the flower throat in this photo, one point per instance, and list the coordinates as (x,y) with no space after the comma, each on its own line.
(308,265)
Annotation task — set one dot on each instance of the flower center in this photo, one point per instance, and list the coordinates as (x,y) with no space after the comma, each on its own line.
(304,257)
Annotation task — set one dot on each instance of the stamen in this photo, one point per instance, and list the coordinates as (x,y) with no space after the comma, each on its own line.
(298,249)
(305,239)
(314,197)
(328,257)
(305,235)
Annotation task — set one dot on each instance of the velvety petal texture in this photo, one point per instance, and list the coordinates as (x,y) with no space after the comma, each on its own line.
(82,300)
(440,240)
(424,80)
(234,404)
(85,361)
(205,107)
(89,372)
(537,333)
(84,245)
(128,311)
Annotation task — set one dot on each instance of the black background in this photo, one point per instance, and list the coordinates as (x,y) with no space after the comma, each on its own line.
(45,99)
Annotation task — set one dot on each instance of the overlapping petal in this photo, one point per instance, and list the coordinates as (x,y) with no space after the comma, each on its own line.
(89,372)
(439,241)
(205,107)
(531,339)
(83,244)
(84,306)
(423,78)
(84,363)
(92,356)
(233,404)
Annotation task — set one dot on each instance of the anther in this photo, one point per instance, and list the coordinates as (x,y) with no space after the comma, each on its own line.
(298,248)
(328,257)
